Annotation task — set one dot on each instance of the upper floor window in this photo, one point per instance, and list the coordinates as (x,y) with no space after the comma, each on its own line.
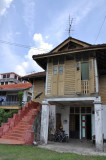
(58,64)
(4,76)
(2,83)
(78,67)
(6,82)
(84,71)
(55,70)
(15,77)
(60,69)
(8,75)
(55,61)
(61,60)
(58,60)
(19,79)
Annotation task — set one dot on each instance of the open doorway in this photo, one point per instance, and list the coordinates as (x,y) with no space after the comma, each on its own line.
(74,126)
(88,126)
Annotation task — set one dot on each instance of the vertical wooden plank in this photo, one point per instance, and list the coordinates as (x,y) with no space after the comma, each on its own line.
(78,79)
(91,76)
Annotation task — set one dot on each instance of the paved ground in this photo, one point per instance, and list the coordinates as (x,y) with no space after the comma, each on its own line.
(74,146)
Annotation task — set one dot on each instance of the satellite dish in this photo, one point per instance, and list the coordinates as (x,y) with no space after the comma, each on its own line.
(38,95)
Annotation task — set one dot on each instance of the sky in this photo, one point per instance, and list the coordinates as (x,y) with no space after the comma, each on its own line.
(43,24)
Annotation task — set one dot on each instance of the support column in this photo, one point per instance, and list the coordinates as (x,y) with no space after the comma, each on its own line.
(44,122)
(52,118)
(98,126)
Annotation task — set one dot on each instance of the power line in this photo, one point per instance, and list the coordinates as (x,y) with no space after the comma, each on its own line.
(100,29)
(22,45)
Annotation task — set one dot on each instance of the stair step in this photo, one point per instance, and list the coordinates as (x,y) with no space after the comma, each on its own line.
(13,137)
(18,132)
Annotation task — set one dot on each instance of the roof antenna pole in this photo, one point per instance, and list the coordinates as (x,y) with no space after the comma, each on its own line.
(70,25)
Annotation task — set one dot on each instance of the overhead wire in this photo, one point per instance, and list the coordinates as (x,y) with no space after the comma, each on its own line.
(22,45)
(100,29)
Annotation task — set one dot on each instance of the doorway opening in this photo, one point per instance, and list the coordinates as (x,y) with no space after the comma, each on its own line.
(88,126)
(74,126)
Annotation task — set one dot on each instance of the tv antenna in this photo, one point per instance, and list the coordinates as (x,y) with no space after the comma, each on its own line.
(70,25)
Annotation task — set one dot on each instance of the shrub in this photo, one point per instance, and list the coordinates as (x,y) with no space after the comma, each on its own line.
(5,114)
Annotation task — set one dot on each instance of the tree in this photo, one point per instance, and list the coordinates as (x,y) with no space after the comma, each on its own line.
(20,97)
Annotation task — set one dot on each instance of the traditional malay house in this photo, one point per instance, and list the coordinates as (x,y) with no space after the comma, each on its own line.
(75,90)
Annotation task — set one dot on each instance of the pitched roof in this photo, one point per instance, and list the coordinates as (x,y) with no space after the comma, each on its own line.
(98,46)
(35,75)
(70,39)
(15,86)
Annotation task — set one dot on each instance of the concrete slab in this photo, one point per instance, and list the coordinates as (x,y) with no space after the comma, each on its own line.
(74,146)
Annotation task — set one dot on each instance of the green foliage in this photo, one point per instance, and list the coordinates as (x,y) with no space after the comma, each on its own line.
(5,114)
(20,97)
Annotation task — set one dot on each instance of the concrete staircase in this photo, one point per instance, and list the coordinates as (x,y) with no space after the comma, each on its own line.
(21,132)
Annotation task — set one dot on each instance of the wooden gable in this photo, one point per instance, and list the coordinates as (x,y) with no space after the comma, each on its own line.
(69,44)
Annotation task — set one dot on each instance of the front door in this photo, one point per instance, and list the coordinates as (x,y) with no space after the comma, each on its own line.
(83,127)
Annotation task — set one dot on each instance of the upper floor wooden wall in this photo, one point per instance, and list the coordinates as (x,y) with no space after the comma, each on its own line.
(102,88)
(66,81)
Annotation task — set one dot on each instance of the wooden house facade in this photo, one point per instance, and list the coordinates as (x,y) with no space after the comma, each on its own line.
(75,90)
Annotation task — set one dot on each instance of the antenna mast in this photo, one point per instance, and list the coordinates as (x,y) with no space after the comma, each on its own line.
(70,25)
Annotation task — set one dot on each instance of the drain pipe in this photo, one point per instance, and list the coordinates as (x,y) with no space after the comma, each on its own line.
(96,76)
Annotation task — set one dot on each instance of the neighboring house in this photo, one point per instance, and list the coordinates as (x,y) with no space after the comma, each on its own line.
(75,90)
(10,78)
(38,84)
(9,94)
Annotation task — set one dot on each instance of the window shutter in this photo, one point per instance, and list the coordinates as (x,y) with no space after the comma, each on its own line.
(91,76)
(78,77)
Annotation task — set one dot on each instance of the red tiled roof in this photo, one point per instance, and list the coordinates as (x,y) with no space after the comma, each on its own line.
(15,86)
(38,74)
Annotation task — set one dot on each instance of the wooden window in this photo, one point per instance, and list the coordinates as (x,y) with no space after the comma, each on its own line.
(78,67)
(60,69)
(84,71)
(61,60)
(55,70)
(55,61)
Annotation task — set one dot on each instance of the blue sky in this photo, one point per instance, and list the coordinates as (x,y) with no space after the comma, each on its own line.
(42,24)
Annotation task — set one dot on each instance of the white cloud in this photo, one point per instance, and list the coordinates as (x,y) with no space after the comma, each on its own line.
(4,5)
(29,65)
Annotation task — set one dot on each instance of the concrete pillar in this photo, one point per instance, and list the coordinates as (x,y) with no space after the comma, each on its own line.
(52,118)
(98,126)
(44,122)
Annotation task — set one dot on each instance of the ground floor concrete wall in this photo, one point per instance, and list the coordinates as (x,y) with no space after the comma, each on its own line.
(64,111)
(52,118)
(104,120)
(93,124)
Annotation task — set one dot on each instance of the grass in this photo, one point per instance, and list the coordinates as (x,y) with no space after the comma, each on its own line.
(13,152)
